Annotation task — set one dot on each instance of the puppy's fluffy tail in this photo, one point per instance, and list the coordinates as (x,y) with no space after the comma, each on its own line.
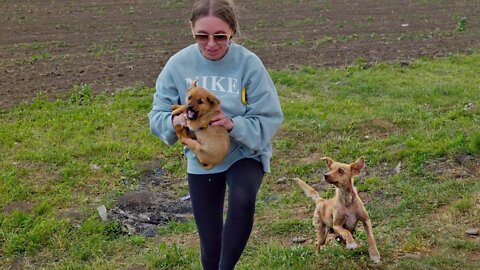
(309,191)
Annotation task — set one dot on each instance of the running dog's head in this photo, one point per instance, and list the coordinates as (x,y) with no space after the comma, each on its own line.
(200,102)
(341,174)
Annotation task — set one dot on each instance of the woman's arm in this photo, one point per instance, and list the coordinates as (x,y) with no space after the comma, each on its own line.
(263,116)
(160,116)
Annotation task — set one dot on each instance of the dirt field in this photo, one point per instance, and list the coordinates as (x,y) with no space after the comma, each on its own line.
(49,46)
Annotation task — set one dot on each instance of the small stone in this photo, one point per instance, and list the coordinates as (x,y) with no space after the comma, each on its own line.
(95,167)
(281,181)
(102,211)
(412,256)
(472,231)
(127,228)
(299,240)
(158,171)
(150,232)
(398,168)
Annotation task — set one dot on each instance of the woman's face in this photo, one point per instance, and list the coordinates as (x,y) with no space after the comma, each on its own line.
(212,35)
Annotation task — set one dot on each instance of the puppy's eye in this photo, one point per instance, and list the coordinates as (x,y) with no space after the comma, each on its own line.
(341,171)
(200,101)
(189,97)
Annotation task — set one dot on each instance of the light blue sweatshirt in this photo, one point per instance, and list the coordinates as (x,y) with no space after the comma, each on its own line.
(255,122)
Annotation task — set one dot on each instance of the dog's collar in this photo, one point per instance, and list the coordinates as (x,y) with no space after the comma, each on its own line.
(202,128)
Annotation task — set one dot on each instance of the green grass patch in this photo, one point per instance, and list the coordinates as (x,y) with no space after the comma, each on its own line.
(85,150)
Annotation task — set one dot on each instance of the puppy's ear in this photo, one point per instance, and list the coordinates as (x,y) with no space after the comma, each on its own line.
(194,84)
(358,165)
(328,160)
(213,100)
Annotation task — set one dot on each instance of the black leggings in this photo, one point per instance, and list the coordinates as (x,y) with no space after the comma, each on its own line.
(222,245)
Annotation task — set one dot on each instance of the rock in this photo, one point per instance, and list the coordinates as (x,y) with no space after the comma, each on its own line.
(129,229)
(299,240)
(398,168)
(185,198)
(473,231)
(281,181)
(95,167)
(415,256)
(102,211)
(150,232)
(141,212)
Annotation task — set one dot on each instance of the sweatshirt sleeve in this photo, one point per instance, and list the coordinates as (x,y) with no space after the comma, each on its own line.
(263,114)
(165,96)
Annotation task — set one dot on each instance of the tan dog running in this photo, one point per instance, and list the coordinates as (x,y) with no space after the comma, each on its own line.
(342,212)
(210,144)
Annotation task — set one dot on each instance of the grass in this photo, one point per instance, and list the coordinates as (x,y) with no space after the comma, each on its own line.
(68,156)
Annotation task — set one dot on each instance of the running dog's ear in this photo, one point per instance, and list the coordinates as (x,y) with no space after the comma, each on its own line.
(328,160)
(358,165)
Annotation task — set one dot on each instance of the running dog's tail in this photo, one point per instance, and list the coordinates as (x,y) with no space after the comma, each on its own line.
(309,191)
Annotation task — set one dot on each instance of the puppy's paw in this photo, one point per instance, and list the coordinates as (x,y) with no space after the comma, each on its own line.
(375,259)
(183,140)
(352,245)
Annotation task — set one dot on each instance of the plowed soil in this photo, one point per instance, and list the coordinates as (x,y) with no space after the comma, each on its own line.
(48,46)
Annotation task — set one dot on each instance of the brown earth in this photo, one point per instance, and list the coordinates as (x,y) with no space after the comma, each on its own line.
(50,46)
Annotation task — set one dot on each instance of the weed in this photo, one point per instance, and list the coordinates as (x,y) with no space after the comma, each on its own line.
(61,44)
(131,10)
(137,240)
(100,11)
(298,41)
(61,26)
(324,40)
(81,94)
(100,50)
(41,56)
(462,25)
(464,204)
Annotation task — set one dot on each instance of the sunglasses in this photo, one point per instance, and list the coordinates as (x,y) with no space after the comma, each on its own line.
(218,38)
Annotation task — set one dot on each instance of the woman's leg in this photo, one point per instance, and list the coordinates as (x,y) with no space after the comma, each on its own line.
(207,193)
(244,178)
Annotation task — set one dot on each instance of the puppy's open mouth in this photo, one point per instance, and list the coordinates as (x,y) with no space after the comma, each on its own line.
(191,114)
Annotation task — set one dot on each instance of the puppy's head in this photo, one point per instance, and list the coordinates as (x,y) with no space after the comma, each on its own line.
(341,174)
(200,102)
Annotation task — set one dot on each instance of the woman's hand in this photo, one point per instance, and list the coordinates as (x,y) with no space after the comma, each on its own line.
(180,120)
(222,120)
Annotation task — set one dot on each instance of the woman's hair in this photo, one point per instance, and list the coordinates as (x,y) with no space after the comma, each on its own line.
(222,9)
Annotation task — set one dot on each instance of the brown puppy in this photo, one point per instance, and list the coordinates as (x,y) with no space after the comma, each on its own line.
(210,144)
(342,212)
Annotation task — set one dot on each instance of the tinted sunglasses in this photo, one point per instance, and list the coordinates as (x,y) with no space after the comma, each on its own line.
(219,38)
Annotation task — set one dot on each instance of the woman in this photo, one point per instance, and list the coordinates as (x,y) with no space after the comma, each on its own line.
(250,111)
